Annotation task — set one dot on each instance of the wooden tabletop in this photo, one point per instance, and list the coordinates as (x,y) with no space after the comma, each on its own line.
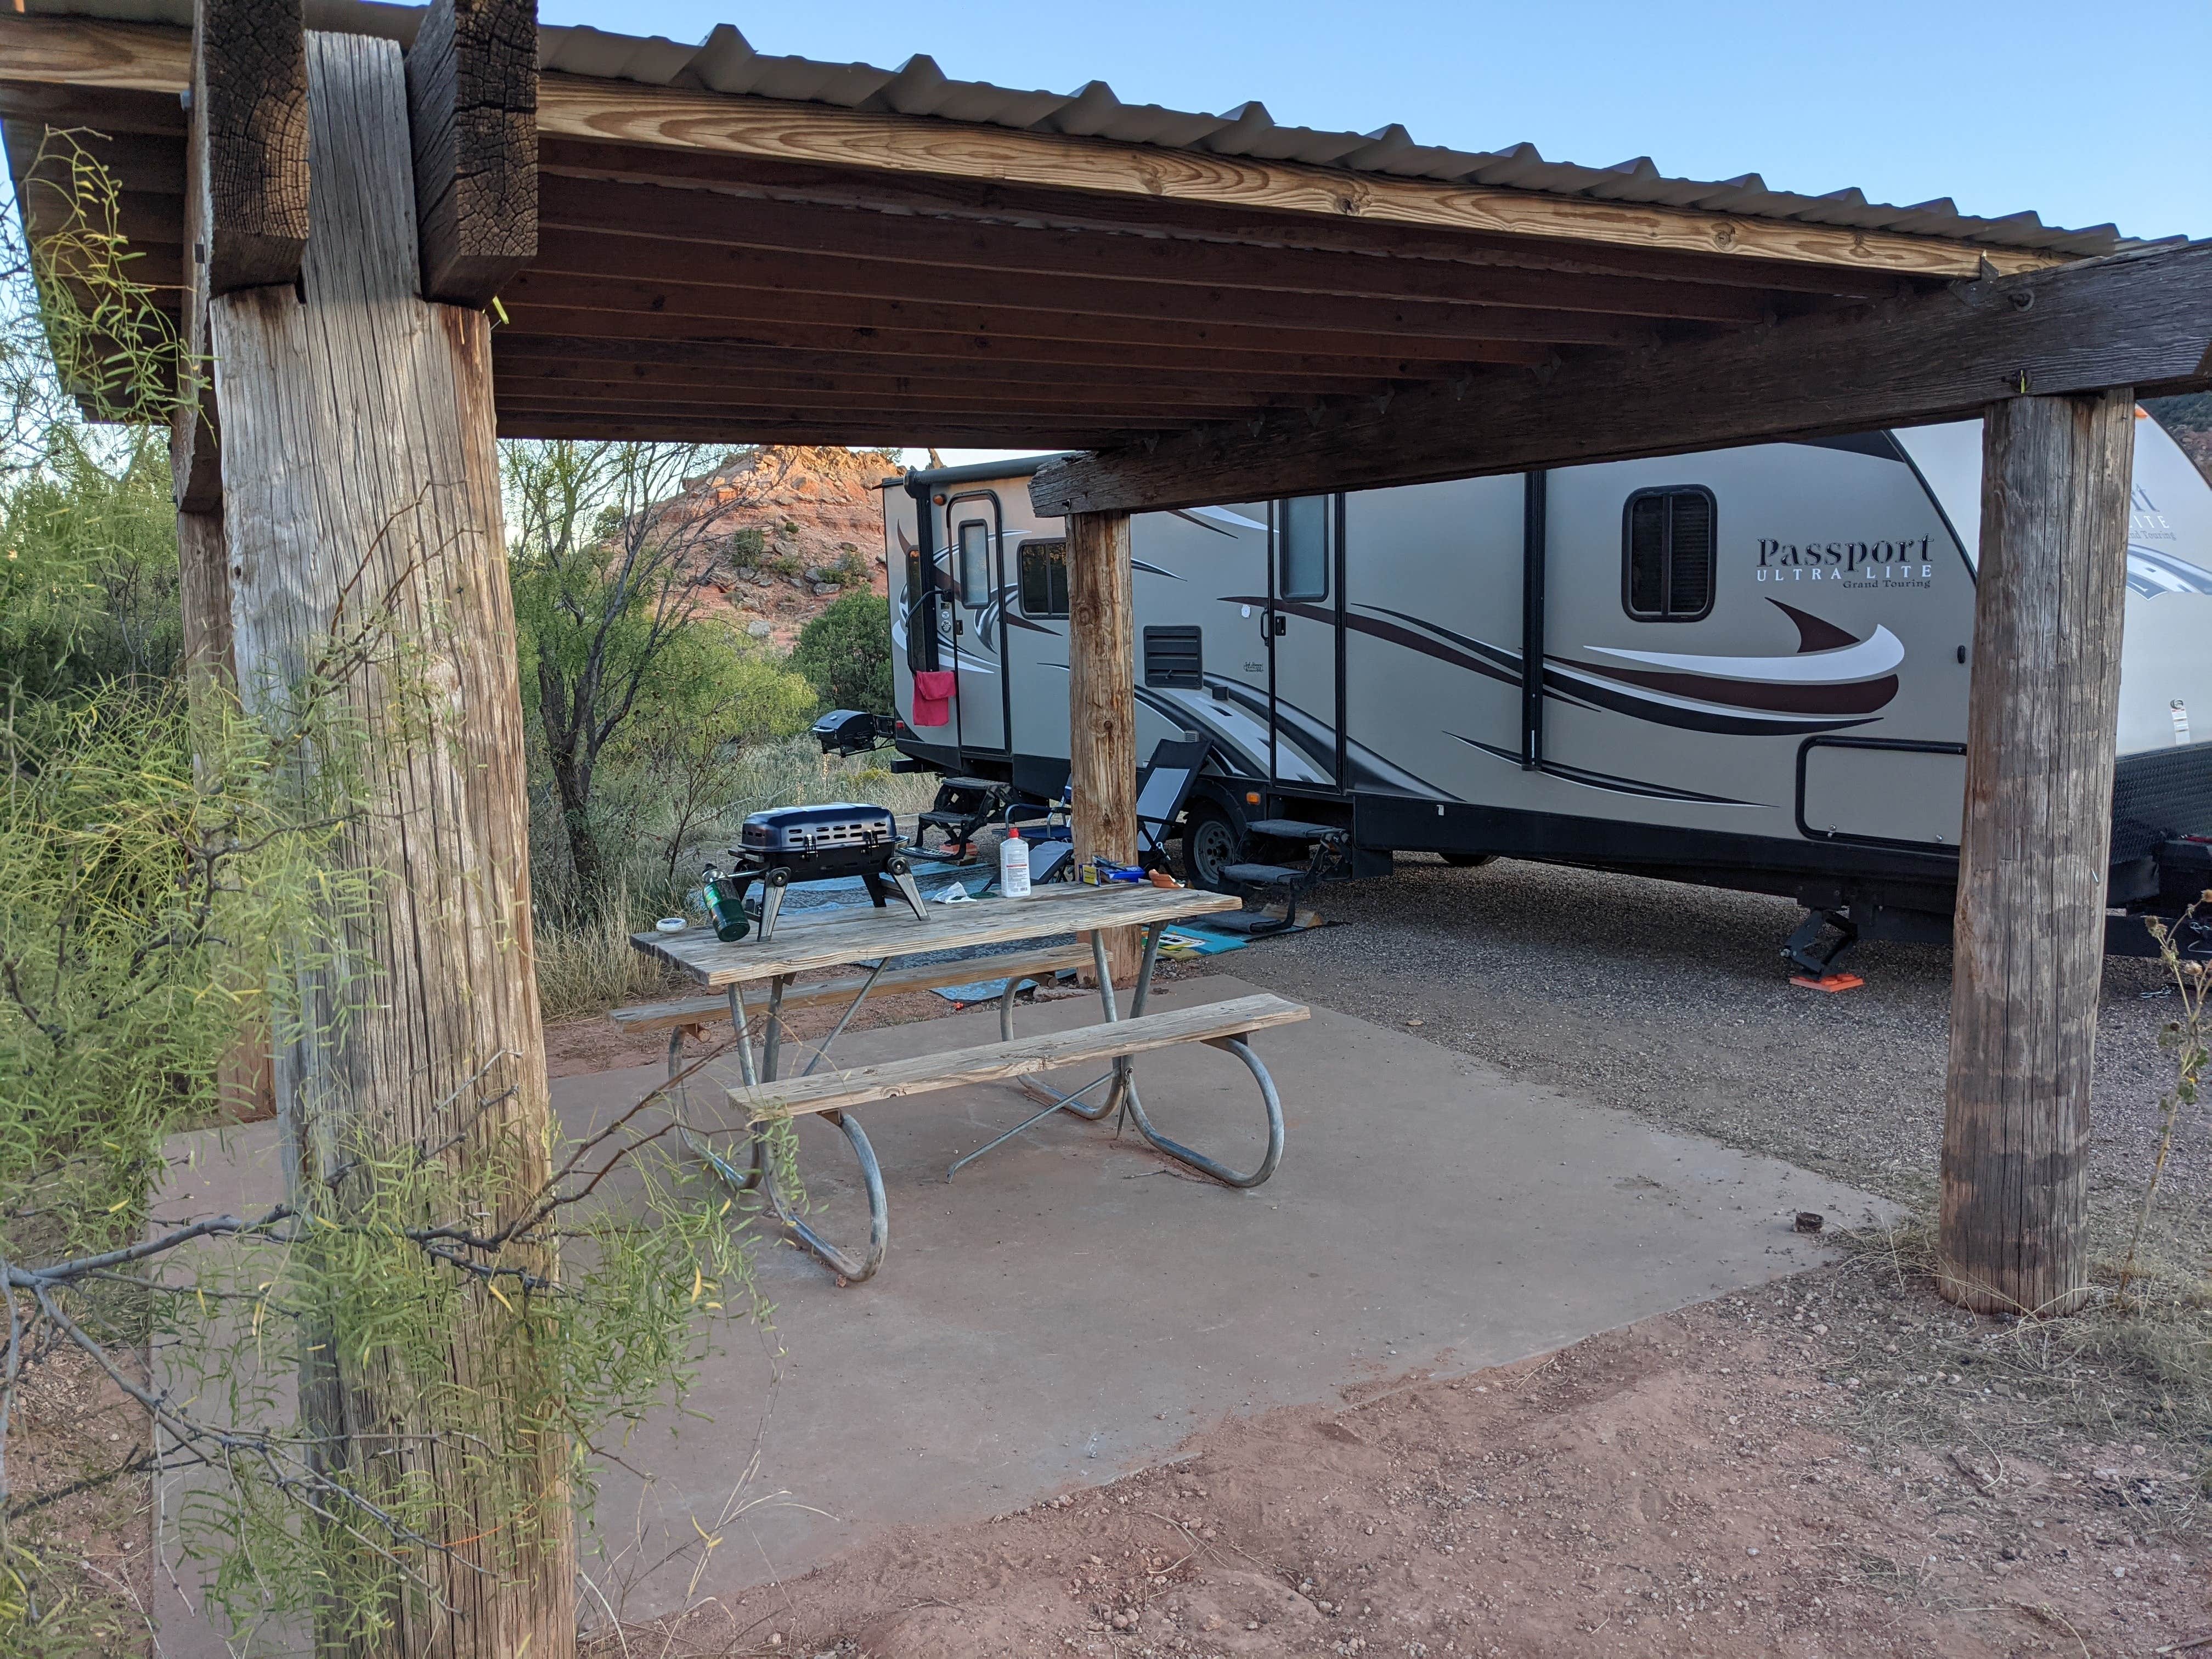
(828,937)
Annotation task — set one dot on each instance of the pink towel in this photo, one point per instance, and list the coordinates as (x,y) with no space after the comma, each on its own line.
(932,696)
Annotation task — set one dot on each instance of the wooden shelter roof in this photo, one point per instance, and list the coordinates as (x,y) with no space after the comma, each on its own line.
(732,247)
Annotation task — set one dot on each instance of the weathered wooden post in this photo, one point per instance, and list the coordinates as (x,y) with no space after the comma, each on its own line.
(1101,700)
(2030,932)
(360,504)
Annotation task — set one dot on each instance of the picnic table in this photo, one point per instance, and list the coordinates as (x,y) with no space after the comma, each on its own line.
(756,978)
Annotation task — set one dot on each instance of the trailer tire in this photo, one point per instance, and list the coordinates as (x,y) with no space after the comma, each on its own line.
(1212,840)
(1466,861)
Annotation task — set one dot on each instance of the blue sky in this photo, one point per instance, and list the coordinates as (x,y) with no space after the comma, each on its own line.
(2084,112)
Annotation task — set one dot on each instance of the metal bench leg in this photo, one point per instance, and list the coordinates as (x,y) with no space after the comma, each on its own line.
(1199,1161)
(853,1270)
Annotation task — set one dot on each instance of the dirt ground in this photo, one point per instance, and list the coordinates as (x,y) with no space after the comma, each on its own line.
(1699,1483)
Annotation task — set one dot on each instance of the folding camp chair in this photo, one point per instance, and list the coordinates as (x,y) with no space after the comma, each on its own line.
(1162,789)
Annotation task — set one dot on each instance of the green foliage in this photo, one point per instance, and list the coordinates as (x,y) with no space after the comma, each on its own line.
(177,873)
(845,653)
(747,545)
(114,346)
(89,573)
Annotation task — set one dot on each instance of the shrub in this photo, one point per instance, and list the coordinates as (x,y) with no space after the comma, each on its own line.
(845,653)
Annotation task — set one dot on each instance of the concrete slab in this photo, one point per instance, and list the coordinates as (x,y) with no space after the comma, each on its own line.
(1072,1306)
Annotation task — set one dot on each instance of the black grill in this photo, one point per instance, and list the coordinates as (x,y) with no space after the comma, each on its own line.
(846,838)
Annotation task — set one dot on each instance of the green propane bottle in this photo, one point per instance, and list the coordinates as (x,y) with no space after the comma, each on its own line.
(726,904)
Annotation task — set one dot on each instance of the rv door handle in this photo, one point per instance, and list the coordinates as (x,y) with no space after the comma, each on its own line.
(1278,623)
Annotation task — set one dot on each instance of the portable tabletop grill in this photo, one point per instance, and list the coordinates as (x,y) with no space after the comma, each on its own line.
(811,843)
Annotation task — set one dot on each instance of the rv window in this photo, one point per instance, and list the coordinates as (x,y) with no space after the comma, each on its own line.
(974,541)
(1302,552)
(1043,571)
(1174,660)
(1666,538)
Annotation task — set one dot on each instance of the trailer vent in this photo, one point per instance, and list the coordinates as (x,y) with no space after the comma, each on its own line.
(1172,660)
(1042,567)
(1667,551)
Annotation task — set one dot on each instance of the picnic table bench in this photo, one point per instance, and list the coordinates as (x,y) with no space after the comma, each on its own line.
(756,978)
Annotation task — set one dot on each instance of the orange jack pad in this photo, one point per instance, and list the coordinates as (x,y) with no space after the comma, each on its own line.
(1828,981)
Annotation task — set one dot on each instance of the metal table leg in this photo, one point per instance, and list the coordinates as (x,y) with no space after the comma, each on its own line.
(1052,1097)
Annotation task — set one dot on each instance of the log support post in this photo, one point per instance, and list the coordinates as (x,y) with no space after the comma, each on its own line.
(1102,700)
(2030,932)
(359,511)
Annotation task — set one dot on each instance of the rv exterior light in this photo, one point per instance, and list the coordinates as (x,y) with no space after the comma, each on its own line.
(1251,798)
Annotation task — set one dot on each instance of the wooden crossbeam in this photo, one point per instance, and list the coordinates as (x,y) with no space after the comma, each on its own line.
(858,294)
(572,357)
(991,1062)
(692,279)
(880,415)
(899,432)
(472,110)
(1106,342)
(661,233)
(675,118)
(550,381)
(2141,319)
(996,202)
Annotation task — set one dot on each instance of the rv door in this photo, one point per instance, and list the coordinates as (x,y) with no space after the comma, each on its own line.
(974,539)
(1301,626)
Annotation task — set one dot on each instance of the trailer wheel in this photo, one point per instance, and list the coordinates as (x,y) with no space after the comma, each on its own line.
(1466,861)
(1211,841)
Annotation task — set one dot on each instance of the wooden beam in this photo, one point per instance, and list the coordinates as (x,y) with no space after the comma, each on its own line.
(1106,342)
(995,201)
(77,51)
(675,118)
(2029,940)
(826,410)
(658,232)
(571,357)
(2139,319)
(1102,701)
(249,141)
(817,430)
(584,274)
(472,111)
(698,280)
(362,501)
(203,582)
(195,452)
(1178,407)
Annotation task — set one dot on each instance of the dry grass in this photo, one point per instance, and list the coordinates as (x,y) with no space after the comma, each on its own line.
(2132,1368)
(589,966)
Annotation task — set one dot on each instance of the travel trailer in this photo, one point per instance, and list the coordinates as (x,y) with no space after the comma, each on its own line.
(1746,668)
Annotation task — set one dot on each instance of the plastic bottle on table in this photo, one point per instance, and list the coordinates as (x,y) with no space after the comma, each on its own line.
(1014,864)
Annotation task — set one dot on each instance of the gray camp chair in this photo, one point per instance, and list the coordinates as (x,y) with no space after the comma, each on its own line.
(1162,789)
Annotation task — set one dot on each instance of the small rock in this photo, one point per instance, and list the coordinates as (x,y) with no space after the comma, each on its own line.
(821,588)
(759,628)
(1810,1221)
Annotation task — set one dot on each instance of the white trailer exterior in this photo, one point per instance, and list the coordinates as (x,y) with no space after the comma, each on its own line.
(1752,663)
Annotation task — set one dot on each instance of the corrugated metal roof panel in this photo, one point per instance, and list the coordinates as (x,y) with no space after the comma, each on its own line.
(725,63)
